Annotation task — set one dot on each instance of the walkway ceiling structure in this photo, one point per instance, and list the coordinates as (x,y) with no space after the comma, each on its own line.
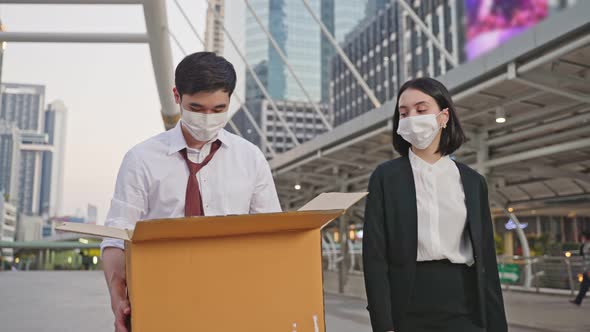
(537,162)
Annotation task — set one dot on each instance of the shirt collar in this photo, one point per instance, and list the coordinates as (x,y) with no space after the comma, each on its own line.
(419,164)
(177,141)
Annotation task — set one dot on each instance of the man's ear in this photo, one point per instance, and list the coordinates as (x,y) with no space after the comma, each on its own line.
(176,95)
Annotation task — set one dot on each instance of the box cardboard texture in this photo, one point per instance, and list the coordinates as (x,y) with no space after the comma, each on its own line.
(259,272)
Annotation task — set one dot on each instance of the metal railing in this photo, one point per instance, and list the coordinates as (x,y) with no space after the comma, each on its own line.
(550,274)
(556,273)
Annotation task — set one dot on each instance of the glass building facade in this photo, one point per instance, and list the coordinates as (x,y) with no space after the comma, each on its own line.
(389,48)
(298,36)
(307,50)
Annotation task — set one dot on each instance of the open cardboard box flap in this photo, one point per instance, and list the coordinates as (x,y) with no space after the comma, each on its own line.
(315,214)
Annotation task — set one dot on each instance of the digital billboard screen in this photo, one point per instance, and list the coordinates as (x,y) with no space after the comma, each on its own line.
(492,22)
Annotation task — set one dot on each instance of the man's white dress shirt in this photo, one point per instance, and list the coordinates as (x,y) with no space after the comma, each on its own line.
(153,178)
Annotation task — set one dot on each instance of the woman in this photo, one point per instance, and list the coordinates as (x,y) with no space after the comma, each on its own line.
(428,248)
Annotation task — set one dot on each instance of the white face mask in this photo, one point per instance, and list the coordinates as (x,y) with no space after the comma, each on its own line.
(419,130)
(203,127)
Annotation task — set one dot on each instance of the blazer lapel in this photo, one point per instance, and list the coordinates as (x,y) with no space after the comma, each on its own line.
(408,209)
(472,203)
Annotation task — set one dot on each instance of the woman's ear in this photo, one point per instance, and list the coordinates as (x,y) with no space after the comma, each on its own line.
(445,117)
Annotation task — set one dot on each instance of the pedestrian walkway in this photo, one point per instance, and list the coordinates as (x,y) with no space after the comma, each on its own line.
(526,313)
(78,301)
(549,313)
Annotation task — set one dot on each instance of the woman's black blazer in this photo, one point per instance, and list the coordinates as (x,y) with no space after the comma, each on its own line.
(390,240)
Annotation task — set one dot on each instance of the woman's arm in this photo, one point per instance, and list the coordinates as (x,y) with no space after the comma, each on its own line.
(375,258)
(496,316)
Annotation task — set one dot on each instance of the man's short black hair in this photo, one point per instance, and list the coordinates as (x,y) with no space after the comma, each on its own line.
(452,137)
(586,234)
(204,72)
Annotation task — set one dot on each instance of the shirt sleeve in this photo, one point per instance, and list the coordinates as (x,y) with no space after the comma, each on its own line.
(264,198)
(130,201)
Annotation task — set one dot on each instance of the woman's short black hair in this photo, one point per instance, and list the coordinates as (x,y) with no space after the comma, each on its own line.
(452,137)
(204,72)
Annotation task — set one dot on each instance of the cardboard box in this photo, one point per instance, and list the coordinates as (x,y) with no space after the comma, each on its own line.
(247,273)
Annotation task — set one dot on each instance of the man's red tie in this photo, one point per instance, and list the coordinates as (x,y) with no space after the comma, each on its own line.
(193,204)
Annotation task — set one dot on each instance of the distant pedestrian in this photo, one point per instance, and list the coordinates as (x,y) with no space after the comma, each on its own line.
(585,253)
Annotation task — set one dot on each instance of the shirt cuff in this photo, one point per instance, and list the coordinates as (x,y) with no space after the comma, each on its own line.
(111,243)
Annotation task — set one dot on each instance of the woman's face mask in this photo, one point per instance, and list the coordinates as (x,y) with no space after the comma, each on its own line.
(419,130)
(420,118)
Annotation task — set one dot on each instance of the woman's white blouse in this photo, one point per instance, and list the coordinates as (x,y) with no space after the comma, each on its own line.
(442,214)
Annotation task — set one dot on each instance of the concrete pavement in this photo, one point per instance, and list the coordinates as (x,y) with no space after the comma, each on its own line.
(78,301)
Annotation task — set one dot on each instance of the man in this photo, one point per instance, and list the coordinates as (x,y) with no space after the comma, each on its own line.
(585,253)
(228,175)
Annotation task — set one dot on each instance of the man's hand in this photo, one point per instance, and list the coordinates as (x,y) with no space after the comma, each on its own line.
(122,310)
(114,271)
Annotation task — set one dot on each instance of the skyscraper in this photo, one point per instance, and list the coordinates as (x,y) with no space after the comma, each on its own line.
(213,29)
(2,48)
(22,106)
(308,53)
(374,6)
(53,161)
(298,36)
(33,145)
(10,141)
(388,49)
(340,17)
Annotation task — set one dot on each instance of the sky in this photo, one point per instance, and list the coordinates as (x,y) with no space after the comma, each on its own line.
(109,89)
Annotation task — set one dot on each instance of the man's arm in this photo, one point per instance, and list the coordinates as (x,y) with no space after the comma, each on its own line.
(128,205)
(264,198)
(114,272)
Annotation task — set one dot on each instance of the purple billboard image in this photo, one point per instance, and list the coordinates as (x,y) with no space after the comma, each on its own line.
(493,22)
